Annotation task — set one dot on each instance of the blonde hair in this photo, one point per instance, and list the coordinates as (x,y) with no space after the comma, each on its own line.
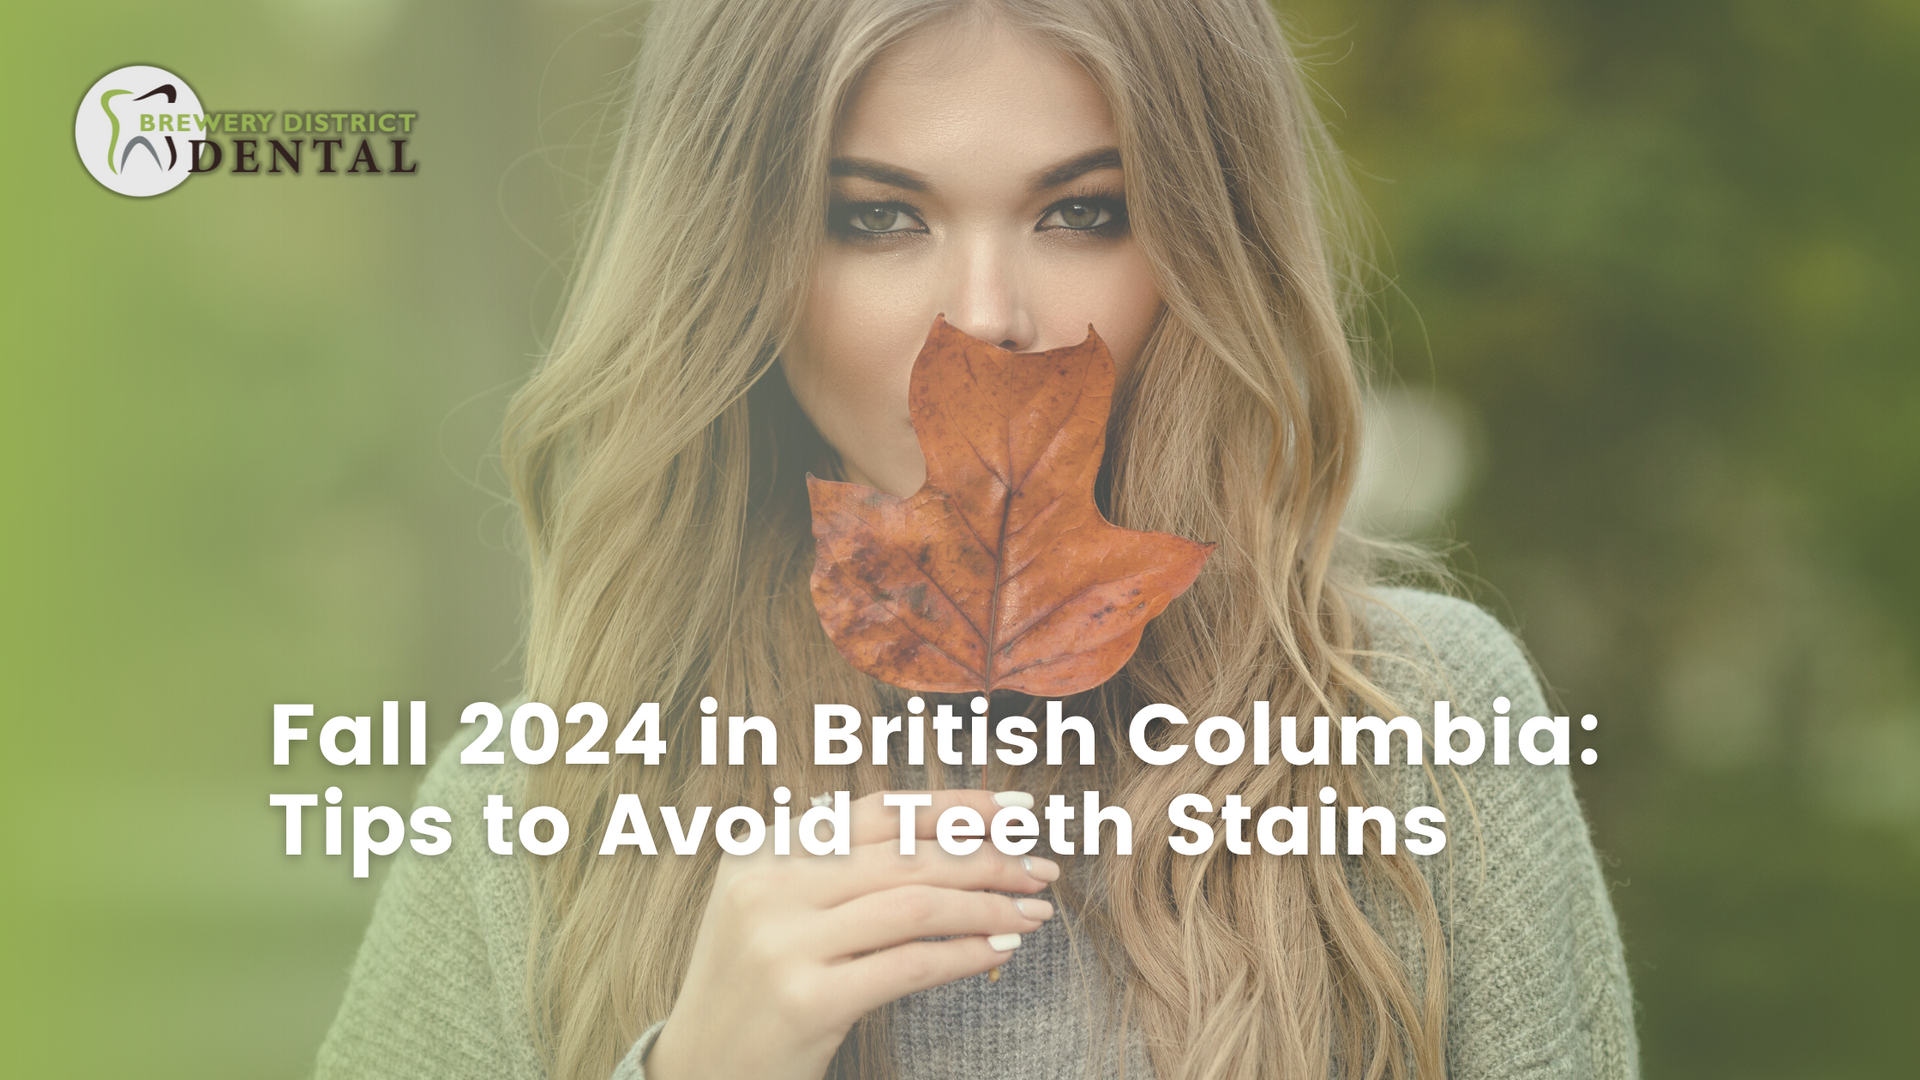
(658,458)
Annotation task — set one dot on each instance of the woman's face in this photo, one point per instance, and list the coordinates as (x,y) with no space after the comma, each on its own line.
(976,175)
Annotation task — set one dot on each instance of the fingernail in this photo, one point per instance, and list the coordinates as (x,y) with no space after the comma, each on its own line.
(1045,870)
(1014,798)
(1003,942)
(1034,909)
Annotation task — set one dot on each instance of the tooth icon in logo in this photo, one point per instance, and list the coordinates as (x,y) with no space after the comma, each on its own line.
(135,128)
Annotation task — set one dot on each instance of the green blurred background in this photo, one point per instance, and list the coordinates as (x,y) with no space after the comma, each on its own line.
(1649,288)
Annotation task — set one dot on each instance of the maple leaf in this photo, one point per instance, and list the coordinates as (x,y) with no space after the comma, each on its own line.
(1000,572)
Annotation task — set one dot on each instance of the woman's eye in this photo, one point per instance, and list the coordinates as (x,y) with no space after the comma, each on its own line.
(1079,214)
(881,218)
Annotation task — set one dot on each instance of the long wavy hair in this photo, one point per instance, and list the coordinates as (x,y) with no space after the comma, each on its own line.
(659,458)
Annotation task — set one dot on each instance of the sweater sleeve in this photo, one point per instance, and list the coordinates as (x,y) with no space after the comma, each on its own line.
(1538,985)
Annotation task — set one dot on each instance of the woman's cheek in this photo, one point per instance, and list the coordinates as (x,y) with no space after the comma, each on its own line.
(874,330)
(1117,296)
(863,329)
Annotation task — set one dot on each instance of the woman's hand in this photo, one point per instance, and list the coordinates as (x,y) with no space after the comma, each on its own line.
(793,949)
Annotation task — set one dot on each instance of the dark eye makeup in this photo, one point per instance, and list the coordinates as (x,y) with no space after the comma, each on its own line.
(868,220)
(1101,214)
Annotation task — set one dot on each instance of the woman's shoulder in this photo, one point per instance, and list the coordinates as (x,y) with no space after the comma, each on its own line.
(454,779)
(436,987)
(495,885)
(1519,886)
(1422,646)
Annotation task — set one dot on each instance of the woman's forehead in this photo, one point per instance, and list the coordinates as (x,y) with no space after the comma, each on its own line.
(974,93)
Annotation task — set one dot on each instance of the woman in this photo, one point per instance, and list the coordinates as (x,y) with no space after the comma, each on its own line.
(801,189)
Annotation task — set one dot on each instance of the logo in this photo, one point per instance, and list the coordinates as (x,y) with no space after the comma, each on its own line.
(135,130)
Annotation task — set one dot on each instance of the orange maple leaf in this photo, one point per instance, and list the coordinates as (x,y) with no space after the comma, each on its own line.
(1000,572)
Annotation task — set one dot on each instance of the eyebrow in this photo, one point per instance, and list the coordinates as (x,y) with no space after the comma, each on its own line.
(1105,157)
(878,173)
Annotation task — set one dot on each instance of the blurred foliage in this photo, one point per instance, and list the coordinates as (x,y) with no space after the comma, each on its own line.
(248,440)
(1666,255)
(1662,256)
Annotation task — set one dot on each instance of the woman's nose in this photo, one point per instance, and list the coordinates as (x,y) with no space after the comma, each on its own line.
(987,299)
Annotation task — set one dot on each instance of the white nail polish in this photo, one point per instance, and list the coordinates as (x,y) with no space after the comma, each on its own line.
(1003,942)
(1026,863)
(1014,798)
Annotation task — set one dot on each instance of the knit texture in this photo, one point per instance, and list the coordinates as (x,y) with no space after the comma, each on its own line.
(1538,987)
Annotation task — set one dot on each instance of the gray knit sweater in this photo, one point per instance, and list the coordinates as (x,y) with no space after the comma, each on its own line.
(1538,987)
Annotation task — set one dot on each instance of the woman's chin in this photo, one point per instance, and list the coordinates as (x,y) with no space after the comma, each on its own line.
(899,479)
